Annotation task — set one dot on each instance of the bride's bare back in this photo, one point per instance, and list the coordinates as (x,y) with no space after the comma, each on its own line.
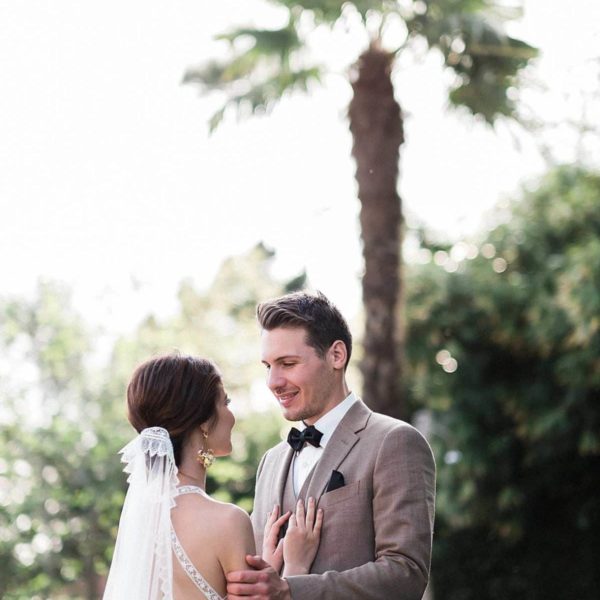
(216,537)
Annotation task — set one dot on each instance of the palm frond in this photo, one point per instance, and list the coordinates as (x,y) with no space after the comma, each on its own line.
(260,97)
(486,69)
(216,75)
(254,79)
(329,11)
(266,41)
(208,76)
(485,59)
(216,119)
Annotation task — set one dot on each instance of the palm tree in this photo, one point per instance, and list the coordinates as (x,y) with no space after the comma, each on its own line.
(273,63)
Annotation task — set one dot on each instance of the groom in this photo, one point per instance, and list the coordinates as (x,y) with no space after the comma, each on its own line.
(373,476)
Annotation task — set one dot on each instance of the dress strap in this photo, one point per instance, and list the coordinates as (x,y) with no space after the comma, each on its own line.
(191,571)
(191,489)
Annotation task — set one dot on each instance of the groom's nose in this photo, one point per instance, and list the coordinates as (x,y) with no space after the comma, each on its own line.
(274,379)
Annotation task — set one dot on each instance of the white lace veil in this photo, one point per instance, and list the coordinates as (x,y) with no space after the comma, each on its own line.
(142,566)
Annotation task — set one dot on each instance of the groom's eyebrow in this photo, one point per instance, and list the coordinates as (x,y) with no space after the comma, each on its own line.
(281,359)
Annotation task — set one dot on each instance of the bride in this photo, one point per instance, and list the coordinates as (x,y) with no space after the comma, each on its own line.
(174,541)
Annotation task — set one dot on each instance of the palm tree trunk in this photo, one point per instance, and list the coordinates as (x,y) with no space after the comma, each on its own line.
(377,130)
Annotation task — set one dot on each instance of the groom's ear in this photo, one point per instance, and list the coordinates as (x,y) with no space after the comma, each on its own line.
(338,354)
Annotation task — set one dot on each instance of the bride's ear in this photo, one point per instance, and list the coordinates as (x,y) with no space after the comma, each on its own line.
(196,437)
(205,428)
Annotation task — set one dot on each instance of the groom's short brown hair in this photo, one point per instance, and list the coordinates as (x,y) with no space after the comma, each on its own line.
(313,312)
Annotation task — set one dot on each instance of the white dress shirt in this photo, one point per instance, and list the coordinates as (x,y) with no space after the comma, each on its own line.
(307,457)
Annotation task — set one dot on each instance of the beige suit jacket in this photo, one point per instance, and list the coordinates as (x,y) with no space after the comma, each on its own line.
(377,531)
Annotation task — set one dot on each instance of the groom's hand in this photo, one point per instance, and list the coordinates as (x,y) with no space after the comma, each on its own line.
(262,583)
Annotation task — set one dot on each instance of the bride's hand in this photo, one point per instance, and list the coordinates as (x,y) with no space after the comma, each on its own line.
(272,549)
(302,538)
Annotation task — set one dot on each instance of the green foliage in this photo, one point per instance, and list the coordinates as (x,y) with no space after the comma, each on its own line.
(266,46)
(485,59)
(516,418)
(329,11)
(218,323)
(468,33)
(59,434)
(277,42)
(254,79)
(62,422)
(486,72)
(233,480)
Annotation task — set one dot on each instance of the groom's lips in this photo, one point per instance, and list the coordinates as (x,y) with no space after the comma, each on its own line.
(286,399)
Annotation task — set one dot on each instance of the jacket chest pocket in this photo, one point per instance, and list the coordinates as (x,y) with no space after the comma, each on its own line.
(345,494)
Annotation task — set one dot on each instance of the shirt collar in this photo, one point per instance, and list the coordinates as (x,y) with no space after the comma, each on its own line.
(330,420)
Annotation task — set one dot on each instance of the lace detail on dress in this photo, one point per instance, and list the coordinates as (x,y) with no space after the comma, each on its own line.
(182,557)
(191,489)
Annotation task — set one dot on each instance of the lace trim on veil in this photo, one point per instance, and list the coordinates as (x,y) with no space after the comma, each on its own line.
(152,442)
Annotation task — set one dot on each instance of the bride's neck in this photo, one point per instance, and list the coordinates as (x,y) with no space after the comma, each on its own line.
(191,472)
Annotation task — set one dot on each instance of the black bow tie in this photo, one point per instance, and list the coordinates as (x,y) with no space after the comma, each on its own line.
(296,439)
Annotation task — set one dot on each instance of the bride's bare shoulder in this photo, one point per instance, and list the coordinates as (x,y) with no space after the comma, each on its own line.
(227,515)
(189,506)
(195,513)
(226,527)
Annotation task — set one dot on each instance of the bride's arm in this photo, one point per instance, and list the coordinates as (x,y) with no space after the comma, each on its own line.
(238,540)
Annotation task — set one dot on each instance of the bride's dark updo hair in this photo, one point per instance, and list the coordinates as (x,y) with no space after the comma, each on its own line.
(176,392)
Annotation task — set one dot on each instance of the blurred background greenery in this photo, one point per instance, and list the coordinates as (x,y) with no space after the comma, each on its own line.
(490,344)
(502,374)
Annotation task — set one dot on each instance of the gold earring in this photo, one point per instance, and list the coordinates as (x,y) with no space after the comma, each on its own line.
(206,457)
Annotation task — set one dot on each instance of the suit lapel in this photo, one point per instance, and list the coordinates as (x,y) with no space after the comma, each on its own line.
(345,436)
(284,460)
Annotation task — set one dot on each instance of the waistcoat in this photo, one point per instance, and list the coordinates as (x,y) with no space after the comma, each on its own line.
(289,497)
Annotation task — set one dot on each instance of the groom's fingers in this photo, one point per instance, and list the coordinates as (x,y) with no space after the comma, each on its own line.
(242,590)
(241,582)
(251,584)
(256,562)
(241,577)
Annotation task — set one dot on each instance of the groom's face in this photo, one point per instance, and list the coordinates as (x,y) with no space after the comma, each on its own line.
(303,382)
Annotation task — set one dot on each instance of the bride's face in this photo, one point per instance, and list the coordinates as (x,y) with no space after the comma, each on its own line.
(219,438)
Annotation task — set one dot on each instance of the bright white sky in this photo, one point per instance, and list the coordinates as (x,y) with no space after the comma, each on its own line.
(108,175)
